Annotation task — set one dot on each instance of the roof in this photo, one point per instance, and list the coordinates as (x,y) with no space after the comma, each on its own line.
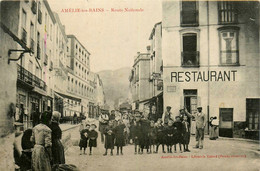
(73,36)
(153,31)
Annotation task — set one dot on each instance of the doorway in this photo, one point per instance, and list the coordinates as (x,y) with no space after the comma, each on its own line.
(226,122)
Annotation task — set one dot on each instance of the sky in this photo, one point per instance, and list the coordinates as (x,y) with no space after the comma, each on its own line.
(112,38)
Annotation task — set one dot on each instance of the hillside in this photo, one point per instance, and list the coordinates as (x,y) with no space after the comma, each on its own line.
(116,84)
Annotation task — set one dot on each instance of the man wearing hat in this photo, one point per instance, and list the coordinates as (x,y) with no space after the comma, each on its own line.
(167,115)
(200,119)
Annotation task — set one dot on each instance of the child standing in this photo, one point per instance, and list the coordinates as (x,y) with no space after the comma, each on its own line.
(92,135)
(160,135)
(109,138)
(169,136)
(137,132)
(83,144)
(178,130)
(186,134)
(119,137)
(152,136)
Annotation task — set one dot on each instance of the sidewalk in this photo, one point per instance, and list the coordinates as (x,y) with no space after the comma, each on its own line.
(66,126)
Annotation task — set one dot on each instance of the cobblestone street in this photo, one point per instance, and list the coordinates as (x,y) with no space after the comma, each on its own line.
(227,154)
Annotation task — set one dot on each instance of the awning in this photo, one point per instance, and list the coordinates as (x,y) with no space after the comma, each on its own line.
(68,96)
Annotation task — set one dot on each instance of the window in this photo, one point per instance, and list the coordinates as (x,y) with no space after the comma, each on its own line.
(30,66)
(189,13)
(227,12)
(32,36)
(229,51)
(51,31)
(72,84)
(23,19)
(190,55)
(252,113)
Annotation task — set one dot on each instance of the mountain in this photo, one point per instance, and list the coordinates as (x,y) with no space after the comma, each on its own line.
(116,85)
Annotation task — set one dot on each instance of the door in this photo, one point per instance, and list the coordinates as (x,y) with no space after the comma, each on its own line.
(226,122)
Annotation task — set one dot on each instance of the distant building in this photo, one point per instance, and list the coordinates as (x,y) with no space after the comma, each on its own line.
(140,81)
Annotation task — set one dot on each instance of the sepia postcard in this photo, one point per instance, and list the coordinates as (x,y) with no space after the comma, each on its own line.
(129,85)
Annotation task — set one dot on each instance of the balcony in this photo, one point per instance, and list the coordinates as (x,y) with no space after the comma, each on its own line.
(38,51)
(39,17)
(24,36)
(190,59)
(34,7)
(190,18)
(27,77)
(46,59)
(32,45)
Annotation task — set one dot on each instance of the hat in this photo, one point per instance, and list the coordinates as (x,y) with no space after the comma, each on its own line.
(199,107)
(168,107)
(137,111)
(87,125)
(181,110)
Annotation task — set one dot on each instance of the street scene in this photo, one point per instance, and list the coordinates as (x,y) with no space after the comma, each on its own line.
(129,85)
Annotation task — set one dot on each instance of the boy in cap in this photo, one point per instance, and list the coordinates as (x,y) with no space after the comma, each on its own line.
(186,133)
(200,119)
(83,143)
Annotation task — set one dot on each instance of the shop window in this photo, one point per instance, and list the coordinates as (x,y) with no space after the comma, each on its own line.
(229,50)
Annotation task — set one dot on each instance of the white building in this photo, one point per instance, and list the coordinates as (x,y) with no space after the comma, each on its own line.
(211,59)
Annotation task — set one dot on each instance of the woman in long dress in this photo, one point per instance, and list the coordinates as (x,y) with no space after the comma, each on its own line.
(41,137)
(56,135)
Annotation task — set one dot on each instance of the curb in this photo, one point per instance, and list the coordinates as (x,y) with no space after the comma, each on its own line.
(70,128)
(235,139)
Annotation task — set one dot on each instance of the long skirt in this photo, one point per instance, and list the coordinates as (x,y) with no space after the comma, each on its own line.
(58,152)
(213,132)
(40,159)
(186,138)
(109,142)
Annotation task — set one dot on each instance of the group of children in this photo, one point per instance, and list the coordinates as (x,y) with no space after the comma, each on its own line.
(88,137)
(150,135)
(145,134)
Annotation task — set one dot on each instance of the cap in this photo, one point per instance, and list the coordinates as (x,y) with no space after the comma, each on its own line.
(199,107)
(168,107)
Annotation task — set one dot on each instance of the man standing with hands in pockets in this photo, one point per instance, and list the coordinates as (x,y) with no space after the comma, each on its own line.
(200,119)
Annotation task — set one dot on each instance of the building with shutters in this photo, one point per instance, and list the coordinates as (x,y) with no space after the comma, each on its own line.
(211,58)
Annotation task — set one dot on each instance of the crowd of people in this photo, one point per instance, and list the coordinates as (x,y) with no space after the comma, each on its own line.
(146,132)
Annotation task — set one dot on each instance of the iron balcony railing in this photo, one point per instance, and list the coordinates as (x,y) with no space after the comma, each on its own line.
(27,77)
(190,59)
(24,36)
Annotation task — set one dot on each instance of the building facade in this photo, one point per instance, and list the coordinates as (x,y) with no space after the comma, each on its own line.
(140,82)
(211,59)
(34,69)
(156,68)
